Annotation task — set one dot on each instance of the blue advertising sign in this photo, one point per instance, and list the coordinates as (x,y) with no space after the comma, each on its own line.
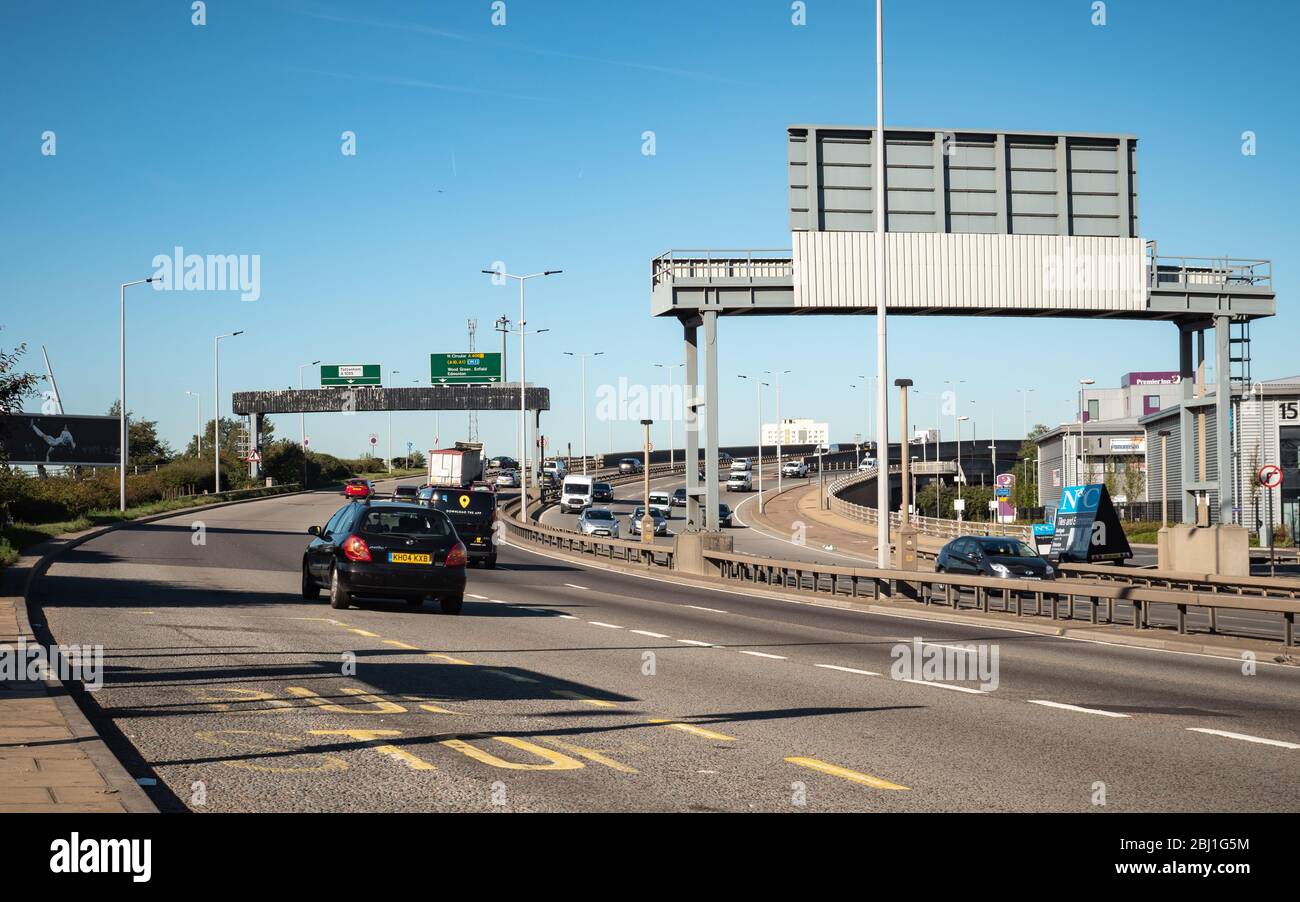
(1088,528)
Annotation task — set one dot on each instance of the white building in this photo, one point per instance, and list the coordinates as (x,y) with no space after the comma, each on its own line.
(796,432)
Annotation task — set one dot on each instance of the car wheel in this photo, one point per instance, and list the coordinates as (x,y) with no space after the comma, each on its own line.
(415,601)
(310,590)
(451,604)
(340,598)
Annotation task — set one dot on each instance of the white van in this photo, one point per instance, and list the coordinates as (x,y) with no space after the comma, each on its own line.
(740,464)
(575,493)
(739,481)
(662,503)
(556,468)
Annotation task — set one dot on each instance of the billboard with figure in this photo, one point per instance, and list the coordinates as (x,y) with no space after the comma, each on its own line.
(32,438)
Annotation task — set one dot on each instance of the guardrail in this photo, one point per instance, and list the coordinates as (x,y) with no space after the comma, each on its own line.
(1190,272)
(722,265)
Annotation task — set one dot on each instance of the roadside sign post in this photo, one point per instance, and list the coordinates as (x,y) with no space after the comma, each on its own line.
(647,519)
(1270,478)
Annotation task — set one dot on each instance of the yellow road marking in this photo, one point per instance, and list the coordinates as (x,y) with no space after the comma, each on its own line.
(380,706)
(691,728)
(399,644)
(585,699)
(593,755)
(361,632)
(447,658)
(215,736)
(844,773)
(555,760)
(390,751)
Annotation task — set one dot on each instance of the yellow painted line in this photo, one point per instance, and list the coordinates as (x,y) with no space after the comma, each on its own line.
(361,632)
(379,705)
(446,658)
(396,643)
(844,773)
(390,751)
(554,760)
(593,755)
(691,728)
(586,699)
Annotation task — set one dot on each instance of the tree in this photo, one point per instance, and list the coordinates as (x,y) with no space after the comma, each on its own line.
(14,387)
(1134,482)
(1025,493)
(233,434)
(144,447)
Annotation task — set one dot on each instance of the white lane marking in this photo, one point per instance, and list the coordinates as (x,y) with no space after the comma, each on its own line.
(1065,707)
(847,669)
(763,654)
(479,597)
(697,642)
(576,586)
(966,689)
(497,601)
(650,634)
(710,610)
(610,626)
(566,617)
(1246,738)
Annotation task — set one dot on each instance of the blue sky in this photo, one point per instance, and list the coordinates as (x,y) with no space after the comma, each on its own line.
(523,144)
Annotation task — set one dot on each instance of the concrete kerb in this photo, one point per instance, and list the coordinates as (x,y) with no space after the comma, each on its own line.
(35,562)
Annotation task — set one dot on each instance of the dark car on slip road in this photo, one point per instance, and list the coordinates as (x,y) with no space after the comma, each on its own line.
(386,549)
(1000,556)
(473,511)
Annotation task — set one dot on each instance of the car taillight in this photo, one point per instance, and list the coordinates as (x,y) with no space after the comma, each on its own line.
(356,549)
(456,557)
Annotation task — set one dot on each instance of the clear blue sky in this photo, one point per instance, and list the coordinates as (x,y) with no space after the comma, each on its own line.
(522,143)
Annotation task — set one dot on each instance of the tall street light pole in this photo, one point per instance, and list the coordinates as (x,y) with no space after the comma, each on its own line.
(216,409)
(523,381)
(502,325)
(121,398)
(198,421)
(960,478)
(759,385)
(583,357)
(880,203)
(780,425)
(1024,415)
(302,417)
(668,368)
(1083,441)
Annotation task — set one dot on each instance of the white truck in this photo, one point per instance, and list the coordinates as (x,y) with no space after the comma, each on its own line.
(459,466)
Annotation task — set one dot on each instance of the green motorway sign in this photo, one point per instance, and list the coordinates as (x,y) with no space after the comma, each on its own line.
(461,369)
(350,374)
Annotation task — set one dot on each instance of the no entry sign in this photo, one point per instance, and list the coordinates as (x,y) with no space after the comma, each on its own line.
(1270,476)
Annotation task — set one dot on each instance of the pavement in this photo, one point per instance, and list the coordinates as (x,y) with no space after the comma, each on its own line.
(568,687)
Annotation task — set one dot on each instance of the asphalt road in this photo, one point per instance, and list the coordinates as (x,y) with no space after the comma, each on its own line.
(568,688)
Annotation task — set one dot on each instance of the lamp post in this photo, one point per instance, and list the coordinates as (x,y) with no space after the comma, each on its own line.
(668,368)
(216,408)
(780,426)
(121,399)
(906,534)
(302,417)
(1024,413)
(960,478)
(198,421)
(880,213)
(647,520)
(523,381)
(583,358)
(1164,478)
(758,383)
(1083,441)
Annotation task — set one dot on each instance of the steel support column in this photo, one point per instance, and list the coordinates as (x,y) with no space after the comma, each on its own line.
(1186,425)
(711,520)
(1223,416)
(692,398)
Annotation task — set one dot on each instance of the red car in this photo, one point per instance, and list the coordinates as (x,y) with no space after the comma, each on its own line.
(358,488)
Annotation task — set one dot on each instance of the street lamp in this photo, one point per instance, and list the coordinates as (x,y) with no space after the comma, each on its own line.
(780,426)
(759,385)
(1083,441)
(216,409)
(1024,415)
(198,421)
(302,417)
(879,214)
(960,478)
(122,384)
(583,357)
(668,368)
(523,381)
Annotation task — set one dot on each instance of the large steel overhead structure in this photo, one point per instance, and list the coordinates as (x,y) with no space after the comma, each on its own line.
(978,223)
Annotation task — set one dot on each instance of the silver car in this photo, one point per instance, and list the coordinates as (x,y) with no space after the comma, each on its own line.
(598,521)
(508,479)
(661,523)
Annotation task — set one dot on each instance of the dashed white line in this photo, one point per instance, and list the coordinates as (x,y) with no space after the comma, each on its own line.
(696,642)
(576,586)
(763,654)
(1081,710)
(479,597)
(650,634)
(1246,738)
(497,601)
(609,626)
(847,669)
(965,689)
(710,610)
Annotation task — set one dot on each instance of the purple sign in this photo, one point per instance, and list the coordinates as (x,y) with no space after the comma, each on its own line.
(1166,377)
(1002,493)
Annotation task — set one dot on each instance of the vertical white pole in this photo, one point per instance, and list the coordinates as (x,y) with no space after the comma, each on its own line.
(879,204)
(584,414)
(761,507)
(121,373)
(216,414)
(523,411)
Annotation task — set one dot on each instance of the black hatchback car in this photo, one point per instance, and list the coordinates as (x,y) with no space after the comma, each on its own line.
(473,513)
(993,556)
(386,549)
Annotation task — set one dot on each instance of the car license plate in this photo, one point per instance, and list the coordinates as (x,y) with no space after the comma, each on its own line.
(403,557)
